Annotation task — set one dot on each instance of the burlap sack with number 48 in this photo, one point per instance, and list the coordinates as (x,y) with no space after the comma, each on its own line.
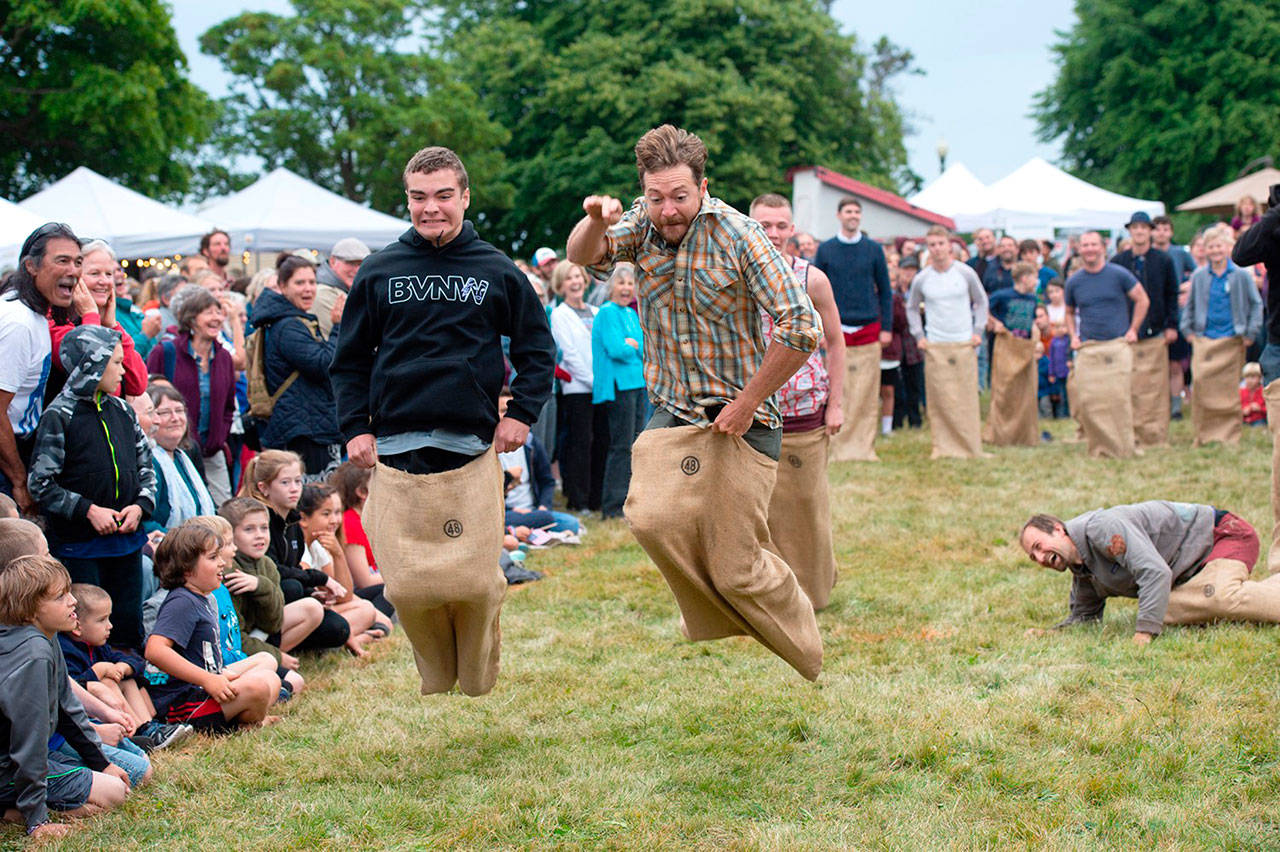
(437,538)
(698,505)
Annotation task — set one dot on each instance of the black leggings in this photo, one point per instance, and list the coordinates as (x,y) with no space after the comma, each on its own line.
(374,594)
(333,630)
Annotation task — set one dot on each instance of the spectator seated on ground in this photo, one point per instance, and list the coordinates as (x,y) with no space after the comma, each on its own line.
(111,675)
(234,654)
(352,484)
(266,621)
(320,519)
(189,684)
(528,503)
(38,711)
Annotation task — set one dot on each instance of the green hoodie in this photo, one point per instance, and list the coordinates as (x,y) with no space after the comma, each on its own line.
(262,610)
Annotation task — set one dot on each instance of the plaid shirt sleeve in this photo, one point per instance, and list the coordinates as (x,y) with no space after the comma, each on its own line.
(778,292)
(623,239)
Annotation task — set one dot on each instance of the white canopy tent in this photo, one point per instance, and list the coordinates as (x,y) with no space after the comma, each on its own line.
(1037,198)
(954,192)
(16,224)
(135,226)
(283,211)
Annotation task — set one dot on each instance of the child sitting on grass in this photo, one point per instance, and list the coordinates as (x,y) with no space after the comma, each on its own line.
(114,677)
(352,484)
(199,689)
(320,519)
(266,621)
(37,711)
(229,633)
(274,478)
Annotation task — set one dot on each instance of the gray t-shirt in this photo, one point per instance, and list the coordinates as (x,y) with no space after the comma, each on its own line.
(1101,301)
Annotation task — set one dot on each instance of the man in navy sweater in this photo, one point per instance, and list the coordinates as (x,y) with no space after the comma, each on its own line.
(859,277)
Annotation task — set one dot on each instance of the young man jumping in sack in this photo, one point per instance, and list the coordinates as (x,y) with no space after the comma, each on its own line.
(416,374)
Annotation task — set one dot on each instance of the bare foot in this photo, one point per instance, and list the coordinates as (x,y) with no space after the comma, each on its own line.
(357,643)
(269,720)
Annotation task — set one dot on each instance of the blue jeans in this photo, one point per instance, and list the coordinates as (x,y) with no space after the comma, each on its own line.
(542,519)
(127,756)
(1270,363)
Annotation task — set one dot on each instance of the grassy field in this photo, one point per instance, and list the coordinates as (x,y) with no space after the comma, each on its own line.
(935,723)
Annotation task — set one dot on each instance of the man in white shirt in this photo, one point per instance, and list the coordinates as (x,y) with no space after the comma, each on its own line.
(48,271)
(956,308)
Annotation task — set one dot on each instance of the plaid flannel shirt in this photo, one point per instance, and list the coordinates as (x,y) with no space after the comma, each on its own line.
(700,305)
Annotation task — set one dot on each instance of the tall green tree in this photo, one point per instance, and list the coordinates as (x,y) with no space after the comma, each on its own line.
(343,93)
(767,84)
(97,83)
(1168,99)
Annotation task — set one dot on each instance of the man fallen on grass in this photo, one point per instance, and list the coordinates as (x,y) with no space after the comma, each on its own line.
(1185,563)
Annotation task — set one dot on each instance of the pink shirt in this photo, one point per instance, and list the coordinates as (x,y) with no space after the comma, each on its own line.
(805,393)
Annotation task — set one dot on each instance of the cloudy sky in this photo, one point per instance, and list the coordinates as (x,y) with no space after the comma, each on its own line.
(983,63)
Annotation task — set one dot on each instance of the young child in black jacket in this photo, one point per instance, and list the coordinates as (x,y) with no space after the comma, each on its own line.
(91,475)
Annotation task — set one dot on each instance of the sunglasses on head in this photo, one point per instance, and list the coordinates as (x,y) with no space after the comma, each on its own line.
(44,232)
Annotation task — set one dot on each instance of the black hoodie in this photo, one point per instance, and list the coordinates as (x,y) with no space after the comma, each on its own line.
(420,347)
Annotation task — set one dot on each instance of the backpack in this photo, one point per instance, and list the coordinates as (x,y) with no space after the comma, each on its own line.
(261,400)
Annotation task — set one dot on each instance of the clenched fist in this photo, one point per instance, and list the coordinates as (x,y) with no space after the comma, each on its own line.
(605,208)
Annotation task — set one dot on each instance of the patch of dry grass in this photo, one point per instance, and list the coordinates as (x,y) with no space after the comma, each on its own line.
(935,723)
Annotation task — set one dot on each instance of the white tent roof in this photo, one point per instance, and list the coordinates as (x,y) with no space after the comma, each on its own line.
(98,208)
(16,224)
(955,191)
(1037,197)
(283,211)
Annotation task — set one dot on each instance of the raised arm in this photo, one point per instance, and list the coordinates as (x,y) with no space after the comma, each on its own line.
(588,244)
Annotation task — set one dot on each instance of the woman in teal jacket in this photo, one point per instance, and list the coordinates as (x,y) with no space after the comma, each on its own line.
(617,346)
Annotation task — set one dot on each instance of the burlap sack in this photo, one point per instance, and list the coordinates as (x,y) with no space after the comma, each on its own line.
(1101,399)
(698,506)
(856,439)
(1271,393)
(437,538)
(1149,392)
(1013,420)
(800,514)
(951,389)
(1215,389)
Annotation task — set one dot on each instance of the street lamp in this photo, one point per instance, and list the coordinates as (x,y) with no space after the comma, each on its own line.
(943,149)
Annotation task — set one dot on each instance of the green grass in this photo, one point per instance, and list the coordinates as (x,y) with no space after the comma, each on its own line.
(935,723)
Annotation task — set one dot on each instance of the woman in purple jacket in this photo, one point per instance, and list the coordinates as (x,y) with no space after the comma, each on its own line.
(200,368)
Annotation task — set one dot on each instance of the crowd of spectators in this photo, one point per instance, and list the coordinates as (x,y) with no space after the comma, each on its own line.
(176,441)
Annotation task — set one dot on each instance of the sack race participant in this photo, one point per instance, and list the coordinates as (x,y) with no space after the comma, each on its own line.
(424,528)
(1106,306)
(1222,318)
(416,372)
(1185,563)
(1014,416)
(1102,403)
(810,403)
(859,275)
(1013,419)
(1149,392)
(704,469)
(957,306)
(1157,272)
(1215,390)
